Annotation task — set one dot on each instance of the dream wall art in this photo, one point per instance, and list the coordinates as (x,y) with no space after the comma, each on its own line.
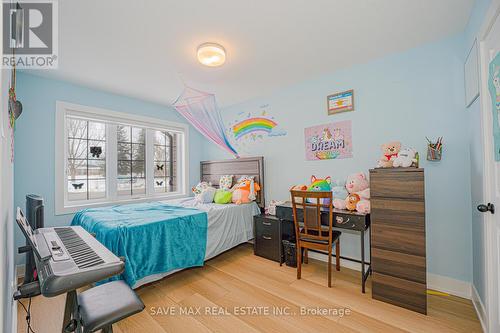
(329,141)
(251,127)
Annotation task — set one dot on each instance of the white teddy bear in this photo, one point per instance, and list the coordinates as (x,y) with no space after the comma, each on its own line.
(405,158)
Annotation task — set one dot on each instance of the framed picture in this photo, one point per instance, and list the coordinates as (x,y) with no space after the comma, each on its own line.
(329,141)
(340,102)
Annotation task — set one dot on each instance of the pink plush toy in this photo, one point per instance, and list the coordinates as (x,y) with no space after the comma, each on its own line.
(356,183)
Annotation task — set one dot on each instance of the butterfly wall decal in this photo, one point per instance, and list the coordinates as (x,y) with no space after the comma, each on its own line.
(159,166)
(96,151)
(77,186)
(159,182)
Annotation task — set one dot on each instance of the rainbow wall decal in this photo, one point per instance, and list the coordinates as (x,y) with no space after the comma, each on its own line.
(252,125)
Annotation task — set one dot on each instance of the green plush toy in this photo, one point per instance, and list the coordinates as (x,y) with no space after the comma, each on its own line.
(223,197)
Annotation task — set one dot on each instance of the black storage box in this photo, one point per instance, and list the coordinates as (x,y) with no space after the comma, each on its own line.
(290,253)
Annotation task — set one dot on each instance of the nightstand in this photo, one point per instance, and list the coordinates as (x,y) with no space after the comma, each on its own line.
(267,242)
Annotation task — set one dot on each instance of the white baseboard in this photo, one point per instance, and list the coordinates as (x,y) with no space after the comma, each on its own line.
(480,308)
(449,285)
(435,282)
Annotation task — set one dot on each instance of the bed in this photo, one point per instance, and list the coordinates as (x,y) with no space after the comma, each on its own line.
(160,238)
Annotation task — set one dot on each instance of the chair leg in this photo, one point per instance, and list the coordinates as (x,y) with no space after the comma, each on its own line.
(299,261)
(330,268)
(337,254)
(306,256)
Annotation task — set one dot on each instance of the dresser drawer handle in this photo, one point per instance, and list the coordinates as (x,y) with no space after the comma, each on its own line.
(266,223)
(267,237)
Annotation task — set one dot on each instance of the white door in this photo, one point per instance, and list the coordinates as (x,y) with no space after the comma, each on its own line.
(490,48)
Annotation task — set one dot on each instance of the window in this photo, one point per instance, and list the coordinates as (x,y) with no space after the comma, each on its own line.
(86,162)
(165,144)
(131,160)
(105,157)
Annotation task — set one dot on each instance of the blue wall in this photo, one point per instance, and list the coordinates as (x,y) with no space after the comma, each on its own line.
(477,157)
(404,97)
(35,135)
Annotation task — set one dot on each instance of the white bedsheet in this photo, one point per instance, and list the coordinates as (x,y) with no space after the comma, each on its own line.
(228,226)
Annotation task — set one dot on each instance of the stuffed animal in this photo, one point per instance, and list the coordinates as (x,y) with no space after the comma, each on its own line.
(298,188)
(271,209)
(357,183)
(338,190)
(200,187)
(406,158)
(318,184)
(351,201)
(245,190)
(390,151)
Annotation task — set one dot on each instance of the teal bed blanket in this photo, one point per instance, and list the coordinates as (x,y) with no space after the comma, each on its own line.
(153,237)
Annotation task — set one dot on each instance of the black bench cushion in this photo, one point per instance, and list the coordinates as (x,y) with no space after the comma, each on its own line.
(107,304)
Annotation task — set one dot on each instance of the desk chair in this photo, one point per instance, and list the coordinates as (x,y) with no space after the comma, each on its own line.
(312,235)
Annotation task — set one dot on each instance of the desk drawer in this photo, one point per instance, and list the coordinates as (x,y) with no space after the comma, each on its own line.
(349,221)
(267,226)
(407,294)
(400,265)
(390,183)
(398,239)
(267,238)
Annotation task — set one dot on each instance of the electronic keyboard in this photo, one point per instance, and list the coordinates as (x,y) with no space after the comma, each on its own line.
(68,258)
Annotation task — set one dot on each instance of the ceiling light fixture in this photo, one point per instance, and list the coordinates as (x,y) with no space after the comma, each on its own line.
(211,54)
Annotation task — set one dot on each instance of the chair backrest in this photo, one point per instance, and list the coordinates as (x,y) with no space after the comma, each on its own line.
(312,203)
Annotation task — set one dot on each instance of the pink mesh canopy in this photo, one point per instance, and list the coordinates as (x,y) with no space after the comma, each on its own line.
(200,109)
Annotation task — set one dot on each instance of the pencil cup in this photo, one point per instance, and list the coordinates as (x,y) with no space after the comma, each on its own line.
(434,154)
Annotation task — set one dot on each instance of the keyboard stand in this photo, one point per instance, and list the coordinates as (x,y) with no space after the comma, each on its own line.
(70,312)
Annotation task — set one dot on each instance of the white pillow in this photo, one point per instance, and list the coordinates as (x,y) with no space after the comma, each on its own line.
(206,196)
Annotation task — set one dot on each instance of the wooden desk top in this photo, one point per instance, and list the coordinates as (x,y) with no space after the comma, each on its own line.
(344,219)
(288,204)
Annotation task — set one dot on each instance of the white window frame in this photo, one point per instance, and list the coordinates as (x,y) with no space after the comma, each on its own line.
(65,110)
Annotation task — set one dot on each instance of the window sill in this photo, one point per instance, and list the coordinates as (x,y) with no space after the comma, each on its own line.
(71,209)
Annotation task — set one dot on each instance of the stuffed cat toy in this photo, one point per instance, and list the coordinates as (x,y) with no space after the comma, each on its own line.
(245,190)
(318,184)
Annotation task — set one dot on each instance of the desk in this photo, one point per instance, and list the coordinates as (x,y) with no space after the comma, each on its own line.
(342,219)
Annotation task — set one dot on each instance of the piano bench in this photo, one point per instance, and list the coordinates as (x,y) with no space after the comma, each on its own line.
(102,306)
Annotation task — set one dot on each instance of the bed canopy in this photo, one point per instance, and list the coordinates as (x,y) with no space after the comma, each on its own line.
(200,109)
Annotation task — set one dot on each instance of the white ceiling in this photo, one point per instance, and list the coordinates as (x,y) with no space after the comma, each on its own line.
(142,48)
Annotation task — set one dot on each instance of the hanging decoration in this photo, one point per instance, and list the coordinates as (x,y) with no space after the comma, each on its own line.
(15,110)
(200,109)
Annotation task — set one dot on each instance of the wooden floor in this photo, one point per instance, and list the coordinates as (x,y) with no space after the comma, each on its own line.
(237,279)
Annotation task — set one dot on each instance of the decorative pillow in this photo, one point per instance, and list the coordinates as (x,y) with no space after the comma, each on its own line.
(207,195)
(200,187)
(222,197)
(226,182)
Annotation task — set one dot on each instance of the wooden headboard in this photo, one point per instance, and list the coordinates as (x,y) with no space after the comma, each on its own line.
(249,166)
